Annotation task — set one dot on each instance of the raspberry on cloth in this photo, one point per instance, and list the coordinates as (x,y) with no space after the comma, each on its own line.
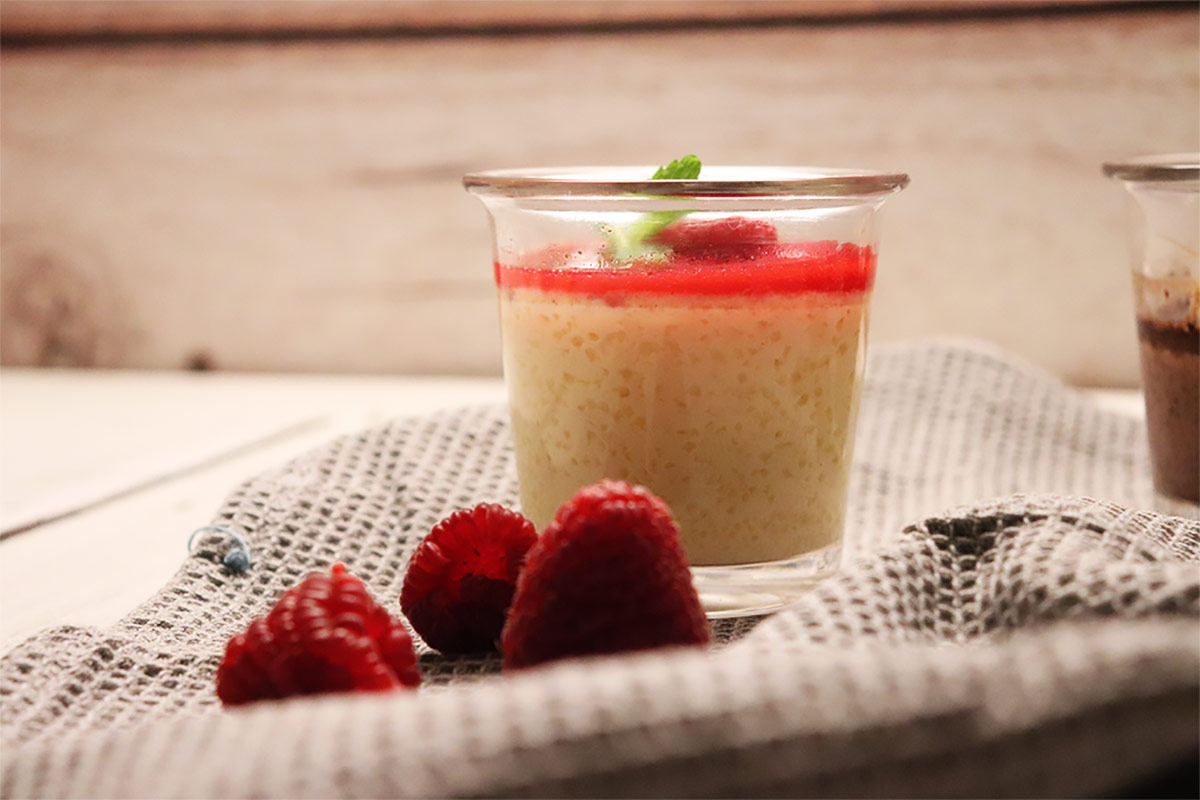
(608,575)
(327,634)
(461,578)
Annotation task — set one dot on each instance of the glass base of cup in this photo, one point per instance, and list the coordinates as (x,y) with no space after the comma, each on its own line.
(745,590)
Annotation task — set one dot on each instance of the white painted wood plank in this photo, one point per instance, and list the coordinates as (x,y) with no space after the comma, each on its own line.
(75,438)
(92,568)
(297,206)
(71,439)
(1123,401)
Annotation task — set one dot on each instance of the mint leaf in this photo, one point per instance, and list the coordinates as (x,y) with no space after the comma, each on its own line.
(681,169)
(628,243)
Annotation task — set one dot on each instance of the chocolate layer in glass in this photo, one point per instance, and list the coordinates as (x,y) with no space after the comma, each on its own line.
(1169,341)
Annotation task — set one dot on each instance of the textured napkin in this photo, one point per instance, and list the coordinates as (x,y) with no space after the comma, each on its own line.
(1034,642)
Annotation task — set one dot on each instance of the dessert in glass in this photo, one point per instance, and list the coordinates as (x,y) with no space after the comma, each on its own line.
(701,337)
(1164,214)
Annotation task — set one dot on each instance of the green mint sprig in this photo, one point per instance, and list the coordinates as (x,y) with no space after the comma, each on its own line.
(681,169)
(628,242)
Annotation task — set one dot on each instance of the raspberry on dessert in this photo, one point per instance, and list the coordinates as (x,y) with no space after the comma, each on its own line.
(608,575)
(461,578)
(723,238)
(326,634)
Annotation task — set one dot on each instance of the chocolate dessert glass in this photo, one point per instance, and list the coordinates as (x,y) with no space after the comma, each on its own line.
(1164,216)
(704,338)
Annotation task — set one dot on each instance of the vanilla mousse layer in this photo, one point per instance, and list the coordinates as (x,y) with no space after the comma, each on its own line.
(738,411)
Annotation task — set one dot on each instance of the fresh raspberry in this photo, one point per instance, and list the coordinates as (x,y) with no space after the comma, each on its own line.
(325,634)
(461,578)
(724,239)
(608,575)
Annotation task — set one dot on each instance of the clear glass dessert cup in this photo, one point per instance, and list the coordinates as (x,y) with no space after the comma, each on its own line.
(704,338)
(1163,205)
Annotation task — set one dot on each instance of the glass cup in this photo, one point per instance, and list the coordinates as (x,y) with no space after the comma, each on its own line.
(704,338)
(1164,217)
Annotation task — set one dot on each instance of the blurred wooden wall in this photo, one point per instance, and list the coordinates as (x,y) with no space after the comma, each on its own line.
(275,186)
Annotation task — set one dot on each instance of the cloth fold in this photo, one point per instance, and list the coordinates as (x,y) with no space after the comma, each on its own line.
(1023,645)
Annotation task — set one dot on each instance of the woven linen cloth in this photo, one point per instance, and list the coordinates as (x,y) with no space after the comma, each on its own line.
(994,632)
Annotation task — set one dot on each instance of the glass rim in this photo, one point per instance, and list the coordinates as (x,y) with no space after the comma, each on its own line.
(1147,169)
(719,181)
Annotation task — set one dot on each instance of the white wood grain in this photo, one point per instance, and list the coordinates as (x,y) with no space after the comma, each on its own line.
(83,441)
(71,441)
(297,207)
(92,567)
(1120,401)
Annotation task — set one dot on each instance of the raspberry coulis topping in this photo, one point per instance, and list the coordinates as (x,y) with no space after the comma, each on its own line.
(720,269)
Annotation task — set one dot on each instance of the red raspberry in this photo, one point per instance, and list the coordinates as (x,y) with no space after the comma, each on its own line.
(608,575)
(325,634)
(723,239)
(461,578)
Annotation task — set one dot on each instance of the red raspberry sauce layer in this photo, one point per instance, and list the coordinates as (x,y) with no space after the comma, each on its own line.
(774,269)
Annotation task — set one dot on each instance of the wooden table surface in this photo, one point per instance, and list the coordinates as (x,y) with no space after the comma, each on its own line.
(105,474)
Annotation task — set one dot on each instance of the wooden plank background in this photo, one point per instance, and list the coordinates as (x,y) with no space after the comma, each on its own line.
(55,18)
(296,205)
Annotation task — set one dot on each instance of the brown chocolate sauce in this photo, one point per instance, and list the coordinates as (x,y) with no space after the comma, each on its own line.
(1171,381)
